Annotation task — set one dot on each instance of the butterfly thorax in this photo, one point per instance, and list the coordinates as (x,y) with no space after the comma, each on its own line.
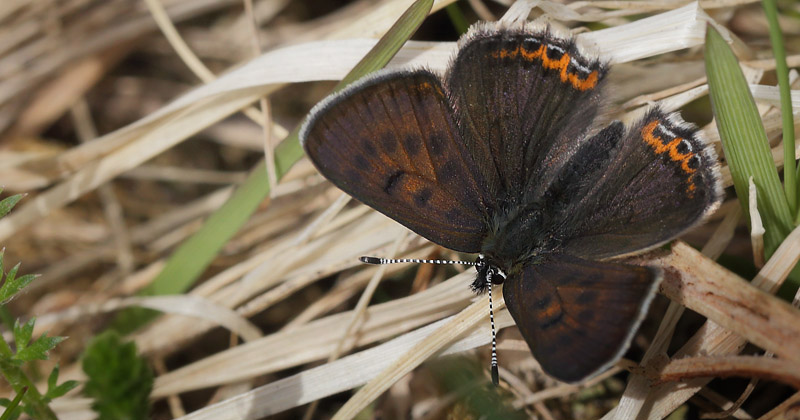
(519,234)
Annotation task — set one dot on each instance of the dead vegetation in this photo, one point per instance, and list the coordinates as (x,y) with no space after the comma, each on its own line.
(126,142)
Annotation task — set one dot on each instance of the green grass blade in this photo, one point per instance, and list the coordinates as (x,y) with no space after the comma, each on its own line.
(389,44)
(194,255)
(457,18)
(782,72)
(12,406)
(745,140)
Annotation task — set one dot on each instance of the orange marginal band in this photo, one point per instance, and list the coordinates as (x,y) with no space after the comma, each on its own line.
(561,64)
(659,146)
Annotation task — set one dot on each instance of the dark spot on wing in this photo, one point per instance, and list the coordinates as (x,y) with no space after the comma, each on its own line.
(437,144)
(544,301)
(683,147)
(449,172)
(531,44)
(412,145)
(393,181)
(694,162)
(422,196)
(550,321)
(369,148)
(555,52)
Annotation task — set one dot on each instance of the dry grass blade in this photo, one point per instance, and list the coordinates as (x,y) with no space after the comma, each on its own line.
(786,371)
(190,306)
(426,348)
(713,338)
(104,213)
(316,340)
(349,372)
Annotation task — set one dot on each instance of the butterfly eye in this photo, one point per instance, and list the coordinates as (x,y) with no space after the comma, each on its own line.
(498,276)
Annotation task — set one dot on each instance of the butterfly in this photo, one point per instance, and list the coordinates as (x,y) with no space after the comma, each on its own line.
(502,156)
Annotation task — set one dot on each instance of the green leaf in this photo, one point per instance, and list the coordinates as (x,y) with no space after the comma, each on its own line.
(23,333)
(744,140)
(6,319)
(196,253)
(119,380)
(52,379)
(13,273)
(53,390)
(39,348)
(11,287)
(8,203)
(62,389)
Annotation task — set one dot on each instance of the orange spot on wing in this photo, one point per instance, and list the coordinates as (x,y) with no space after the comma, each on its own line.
(561,64)
(551,310)
(671,148)
(506,53)
(588,83)
(531,55)
(425,87)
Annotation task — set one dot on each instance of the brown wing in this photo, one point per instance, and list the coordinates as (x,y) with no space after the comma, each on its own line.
(579,316)
(524,98)
(391,142)
(661,180)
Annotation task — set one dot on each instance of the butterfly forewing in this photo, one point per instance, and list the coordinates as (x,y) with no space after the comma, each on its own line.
(579,316)
(523,99)
(391,142)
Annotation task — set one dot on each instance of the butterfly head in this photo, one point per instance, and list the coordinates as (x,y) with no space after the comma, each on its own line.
(489,273)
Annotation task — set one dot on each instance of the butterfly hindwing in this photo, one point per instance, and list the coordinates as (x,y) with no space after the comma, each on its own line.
(661,180)
(579,316)
(391,142)
(523,99)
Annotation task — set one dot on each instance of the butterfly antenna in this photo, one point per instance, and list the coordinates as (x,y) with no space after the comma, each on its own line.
(480,262)
(377,261)
(495,375)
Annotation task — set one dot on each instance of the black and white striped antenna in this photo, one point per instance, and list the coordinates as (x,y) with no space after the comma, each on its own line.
(379,261)
(488,280)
